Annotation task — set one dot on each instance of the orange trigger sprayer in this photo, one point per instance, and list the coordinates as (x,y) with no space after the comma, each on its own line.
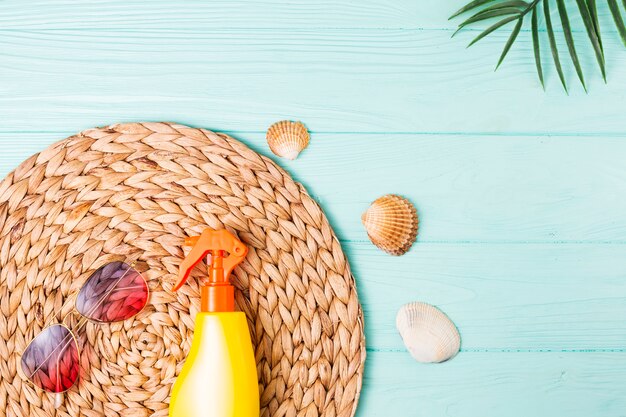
(219,377)
(218,295)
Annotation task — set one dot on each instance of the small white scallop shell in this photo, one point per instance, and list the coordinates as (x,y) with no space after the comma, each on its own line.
(428,334)
(287,139)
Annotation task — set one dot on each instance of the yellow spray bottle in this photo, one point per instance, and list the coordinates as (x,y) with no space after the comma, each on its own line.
(219,378)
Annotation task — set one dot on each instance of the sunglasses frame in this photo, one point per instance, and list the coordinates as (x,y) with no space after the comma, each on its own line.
(75,310)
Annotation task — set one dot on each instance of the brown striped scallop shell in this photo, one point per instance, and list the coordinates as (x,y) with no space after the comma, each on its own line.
(287,139)
(391,224)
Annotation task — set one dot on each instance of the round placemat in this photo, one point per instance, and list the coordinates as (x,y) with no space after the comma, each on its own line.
(133,192)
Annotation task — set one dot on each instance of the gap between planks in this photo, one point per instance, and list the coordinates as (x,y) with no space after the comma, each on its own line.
(237,133)
(499,350)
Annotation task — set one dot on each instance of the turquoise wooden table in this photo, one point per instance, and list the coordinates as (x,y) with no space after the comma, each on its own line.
(520,192)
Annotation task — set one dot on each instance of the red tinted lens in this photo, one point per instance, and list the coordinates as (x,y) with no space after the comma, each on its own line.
(51,359)
(114,292)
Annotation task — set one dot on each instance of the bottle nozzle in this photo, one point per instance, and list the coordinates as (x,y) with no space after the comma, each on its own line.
(217,294)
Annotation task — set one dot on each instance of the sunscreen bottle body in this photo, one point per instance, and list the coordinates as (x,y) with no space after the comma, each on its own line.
(219,378)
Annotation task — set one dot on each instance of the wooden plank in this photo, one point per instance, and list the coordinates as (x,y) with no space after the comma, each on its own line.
(215,14)
(477,189)
(271,14)
(350,80)
(502,297)
(496,385)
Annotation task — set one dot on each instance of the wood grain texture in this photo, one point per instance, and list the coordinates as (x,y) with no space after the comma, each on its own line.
(526,297)
(496,385)
(337,80)
(266,14)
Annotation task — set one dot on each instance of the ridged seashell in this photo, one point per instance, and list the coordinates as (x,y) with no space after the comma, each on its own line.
(287,139)
(391,224)
(428,334)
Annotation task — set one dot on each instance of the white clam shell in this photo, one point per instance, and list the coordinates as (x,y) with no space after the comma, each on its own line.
(428,334)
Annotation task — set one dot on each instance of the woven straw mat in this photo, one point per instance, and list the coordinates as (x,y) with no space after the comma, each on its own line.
(133,192)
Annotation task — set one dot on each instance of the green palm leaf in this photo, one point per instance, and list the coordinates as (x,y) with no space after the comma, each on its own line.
(553,48)
(472,5)
(516,10)
(617,17)
(593,11)
(537,52)
(492,28)
(594,36)
(512,38)
(569,39)
(488,14)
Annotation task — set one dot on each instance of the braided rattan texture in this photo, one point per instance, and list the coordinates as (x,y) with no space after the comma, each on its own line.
(134,191)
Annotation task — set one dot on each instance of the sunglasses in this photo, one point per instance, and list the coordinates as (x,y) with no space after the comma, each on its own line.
(114,292)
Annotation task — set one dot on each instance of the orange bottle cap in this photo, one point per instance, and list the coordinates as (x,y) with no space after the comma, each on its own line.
(217,295)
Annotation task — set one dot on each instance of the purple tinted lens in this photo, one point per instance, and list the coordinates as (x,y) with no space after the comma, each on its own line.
(51,359)
(115,292)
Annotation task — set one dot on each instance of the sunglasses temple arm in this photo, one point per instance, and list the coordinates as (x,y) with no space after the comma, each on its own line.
(71,313)
(58,400)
